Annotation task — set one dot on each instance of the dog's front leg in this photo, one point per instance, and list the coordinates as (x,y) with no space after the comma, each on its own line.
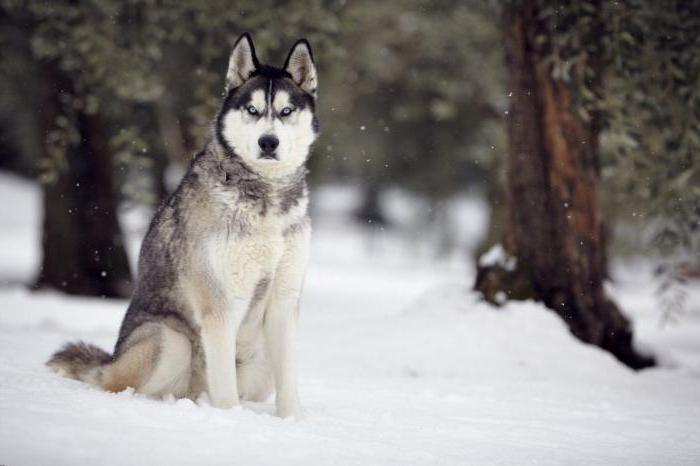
(280,325)
(219,330)
(280,335)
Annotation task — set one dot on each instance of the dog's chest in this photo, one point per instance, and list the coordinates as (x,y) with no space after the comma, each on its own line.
(249,246)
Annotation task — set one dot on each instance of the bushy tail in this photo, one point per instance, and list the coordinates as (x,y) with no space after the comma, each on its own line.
(80,361)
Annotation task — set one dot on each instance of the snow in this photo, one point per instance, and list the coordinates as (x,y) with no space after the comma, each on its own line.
(19,229)
(498,256)
(399,364)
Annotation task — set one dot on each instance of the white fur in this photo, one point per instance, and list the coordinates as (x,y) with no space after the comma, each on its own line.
(235,264)
(295,133)
(280,323)
(171,373)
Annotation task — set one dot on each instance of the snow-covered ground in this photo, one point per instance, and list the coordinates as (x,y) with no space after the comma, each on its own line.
(399,365)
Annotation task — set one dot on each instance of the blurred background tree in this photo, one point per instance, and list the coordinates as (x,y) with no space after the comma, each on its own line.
(416,96)
(625,71)
(554,244)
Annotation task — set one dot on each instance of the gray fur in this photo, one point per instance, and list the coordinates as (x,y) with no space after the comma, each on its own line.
(260,291)
(79,360)
(295,228)
(291,194)
(251,187)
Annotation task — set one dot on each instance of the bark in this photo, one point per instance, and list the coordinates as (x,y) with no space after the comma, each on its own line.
(554,228)
(496,197)
(82,245)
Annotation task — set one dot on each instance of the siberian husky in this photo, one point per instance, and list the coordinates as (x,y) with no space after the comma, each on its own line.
(221,268)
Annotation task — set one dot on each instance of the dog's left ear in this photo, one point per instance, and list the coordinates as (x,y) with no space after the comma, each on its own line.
(300,64)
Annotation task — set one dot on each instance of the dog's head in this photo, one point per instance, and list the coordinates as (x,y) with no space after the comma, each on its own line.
(268,116)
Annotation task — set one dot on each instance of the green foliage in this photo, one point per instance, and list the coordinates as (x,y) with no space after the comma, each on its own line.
(571,33)
(418,92)
(119,55)
(635,72)
(653,104)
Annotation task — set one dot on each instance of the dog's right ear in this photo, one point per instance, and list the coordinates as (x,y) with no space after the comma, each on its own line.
(242,63)
(300,65)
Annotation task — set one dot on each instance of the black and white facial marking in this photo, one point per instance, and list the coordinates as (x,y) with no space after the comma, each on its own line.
(268,116)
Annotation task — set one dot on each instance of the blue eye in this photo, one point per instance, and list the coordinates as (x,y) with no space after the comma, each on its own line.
(286,111)
(252,110)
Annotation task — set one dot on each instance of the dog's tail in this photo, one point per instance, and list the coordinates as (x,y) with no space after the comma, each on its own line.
(80,361)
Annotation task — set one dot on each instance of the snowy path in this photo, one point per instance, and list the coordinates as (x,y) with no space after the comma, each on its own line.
(398,365)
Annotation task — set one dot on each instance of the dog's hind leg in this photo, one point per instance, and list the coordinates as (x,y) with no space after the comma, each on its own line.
(156,362)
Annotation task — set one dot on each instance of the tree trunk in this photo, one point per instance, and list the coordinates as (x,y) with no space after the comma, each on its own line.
(175,146)
(83,248)
(370,211)
(496,197)
(554,228)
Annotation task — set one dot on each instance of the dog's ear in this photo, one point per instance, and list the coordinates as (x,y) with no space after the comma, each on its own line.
(242,63)
(300,64)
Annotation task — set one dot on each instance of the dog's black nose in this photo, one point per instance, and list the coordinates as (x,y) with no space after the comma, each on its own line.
(268,143)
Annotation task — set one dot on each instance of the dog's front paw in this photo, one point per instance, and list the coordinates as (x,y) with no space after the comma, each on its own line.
(224,402)
(287,410)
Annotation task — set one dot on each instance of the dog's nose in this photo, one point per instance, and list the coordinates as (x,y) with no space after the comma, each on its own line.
(268,143)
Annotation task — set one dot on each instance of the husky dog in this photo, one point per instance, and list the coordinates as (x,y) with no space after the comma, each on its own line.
(221,268)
